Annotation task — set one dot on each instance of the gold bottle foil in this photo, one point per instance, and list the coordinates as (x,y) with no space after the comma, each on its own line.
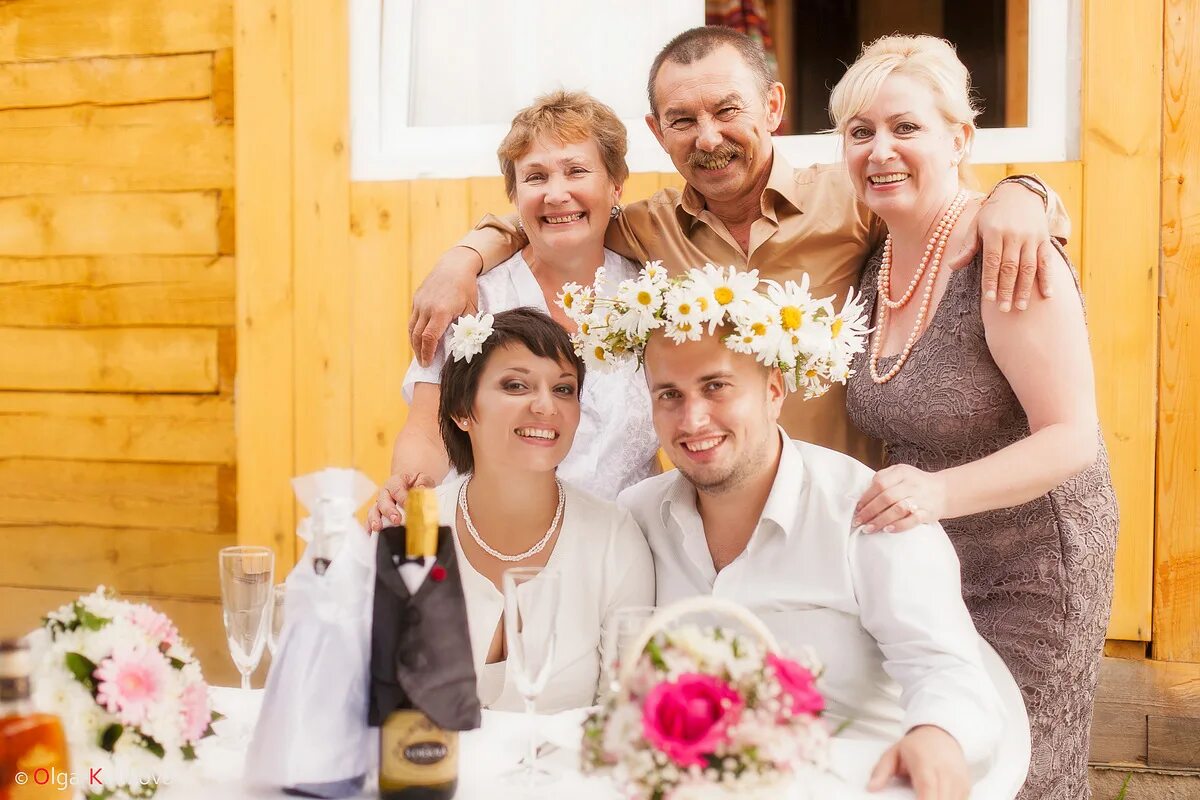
(421,522)
(415,752)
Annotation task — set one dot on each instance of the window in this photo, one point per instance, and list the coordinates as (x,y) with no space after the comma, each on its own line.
(434,83)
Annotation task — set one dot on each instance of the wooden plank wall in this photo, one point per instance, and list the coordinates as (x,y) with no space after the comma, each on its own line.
(1119,230)
(117,451)
(1177,526)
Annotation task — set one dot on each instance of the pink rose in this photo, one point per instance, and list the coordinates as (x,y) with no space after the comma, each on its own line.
(798,684)
(687,718)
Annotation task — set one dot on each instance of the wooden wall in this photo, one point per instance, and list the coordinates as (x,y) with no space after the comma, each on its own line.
(117,280)
(323,301)
(123,312)
(1177,525)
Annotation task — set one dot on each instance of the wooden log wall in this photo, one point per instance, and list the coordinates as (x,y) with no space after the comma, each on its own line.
(117,277)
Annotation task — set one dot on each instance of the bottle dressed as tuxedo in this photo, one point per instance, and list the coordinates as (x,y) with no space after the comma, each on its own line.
(422,675)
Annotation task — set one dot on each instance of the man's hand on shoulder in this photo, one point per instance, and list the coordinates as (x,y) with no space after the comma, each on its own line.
(931,759)
(448,291)
(1014,232)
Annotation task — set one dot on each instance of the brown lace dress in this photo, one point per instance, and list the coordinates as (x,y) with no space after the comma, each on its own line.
(1037,577)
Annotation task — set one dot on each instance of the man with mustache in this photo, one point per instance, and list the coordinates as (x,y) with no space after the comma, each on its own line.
(713,107)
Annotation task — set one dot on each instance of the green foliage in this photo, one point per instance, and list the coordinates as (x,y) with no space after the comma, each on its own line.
(110,735)
(83,670)
(656,656)
(87,619)
(153,746)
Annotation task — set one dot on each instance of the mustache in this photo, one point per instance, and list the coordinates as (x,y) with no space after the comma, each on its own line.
(724,152)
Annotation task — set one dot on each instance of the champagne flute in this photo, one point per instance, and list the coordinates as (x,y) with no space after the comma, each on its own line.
(247,575)
(619,632)
(531,599)
(278,596)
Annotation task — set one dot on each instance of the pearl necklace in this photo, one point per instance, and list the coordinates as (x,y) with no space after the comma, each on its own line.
(933,258)
(537,547)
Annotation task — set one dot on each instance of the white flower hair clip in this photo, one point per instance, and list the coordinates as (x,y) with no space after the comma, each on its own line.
(786,328)
(468,335)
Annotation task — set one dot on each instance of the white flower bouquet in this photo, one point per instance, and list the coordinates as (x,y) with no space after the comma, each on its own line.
(707,712)
(128,690)
(811,343)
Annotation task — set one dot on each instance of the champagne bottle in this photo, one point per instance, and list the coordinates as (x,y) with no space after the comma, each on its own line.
(418,760)
(33,748)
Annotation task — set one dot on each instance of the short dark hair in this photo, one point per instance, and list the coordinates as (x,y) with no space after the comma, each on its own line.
(529,327)
(696,43)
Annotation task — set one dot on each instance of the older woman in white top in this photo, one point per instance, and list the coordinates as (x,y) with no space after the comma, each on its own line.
(507,419)
(563,162)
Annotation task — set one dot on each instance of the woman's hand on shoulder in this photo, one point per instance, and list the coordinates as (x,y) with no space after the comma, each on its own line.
(900,498)
(447,292)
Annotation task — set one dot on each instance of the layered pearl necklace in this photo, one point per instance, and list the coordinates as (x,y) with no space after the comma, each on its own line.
(537,547)
(933,260)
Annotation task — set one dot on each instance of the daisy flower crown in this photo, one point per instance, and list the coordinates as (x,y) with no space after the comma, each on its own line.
(785,327)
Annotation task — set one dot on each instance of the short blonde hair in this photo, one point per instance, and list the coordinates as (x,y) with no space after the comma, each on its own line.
(928,59)
(565,117)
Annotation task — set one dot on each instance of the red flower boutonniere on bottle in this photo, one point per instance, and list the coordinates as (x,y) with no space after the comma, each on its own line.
(438,573)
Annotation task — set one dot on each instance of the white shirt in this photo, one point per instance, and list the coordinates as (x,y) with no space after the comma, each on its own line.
(603,563)
(882,612)
(615,445)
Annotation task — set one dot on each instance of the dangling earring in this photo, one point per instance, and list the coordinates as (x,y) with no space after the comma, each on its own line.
(520,225)
(616,211)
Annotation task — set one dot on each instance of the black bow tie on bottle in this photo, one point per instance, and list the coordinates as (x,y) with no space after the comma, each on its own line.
(400,560)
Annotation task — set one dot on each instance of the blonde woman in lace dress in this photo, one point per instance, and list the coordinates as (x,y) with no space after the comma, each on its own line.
(988,418)
(563,163)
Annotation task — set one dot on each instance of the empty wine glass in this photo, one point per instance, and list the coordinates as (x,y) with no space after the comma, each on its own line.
(278,595)
(531,597)
(247,575)
(620,631)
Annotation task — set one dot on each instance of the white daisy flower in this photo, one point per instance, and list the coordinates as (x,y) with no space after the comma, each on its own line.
(574,300)
(811,377)
(684,308)
(726,289)
(596,355)
(680,332)
(642,299)
(796,308)
(468,335)
(848,327)
(655,271)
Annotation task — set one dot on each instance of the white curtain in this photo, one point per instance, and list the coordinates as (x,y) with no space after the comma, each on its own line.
(476,62)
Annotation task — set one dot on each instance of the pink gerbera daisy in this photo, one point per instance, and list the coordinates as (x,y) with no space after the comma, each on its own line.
(155,625)
(129,683)
(196,716)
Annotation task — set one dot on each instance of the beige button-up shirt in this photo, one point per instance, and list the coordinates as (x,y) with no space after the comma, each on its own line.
(811,222)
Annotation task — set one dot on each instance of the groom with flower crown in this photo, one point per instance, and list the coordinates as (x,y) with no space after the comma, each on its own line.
(754,517)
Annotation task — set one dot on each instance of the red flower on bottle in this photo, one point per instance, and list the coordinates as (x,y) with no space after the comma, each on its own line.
(438,573)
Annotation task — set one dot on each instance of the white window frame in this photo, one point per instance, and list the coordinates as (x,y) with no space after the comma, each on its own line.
(385,147)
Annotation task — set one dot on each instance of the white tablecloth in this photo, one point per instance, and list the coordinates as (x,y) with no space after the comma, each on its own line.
(497,747)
